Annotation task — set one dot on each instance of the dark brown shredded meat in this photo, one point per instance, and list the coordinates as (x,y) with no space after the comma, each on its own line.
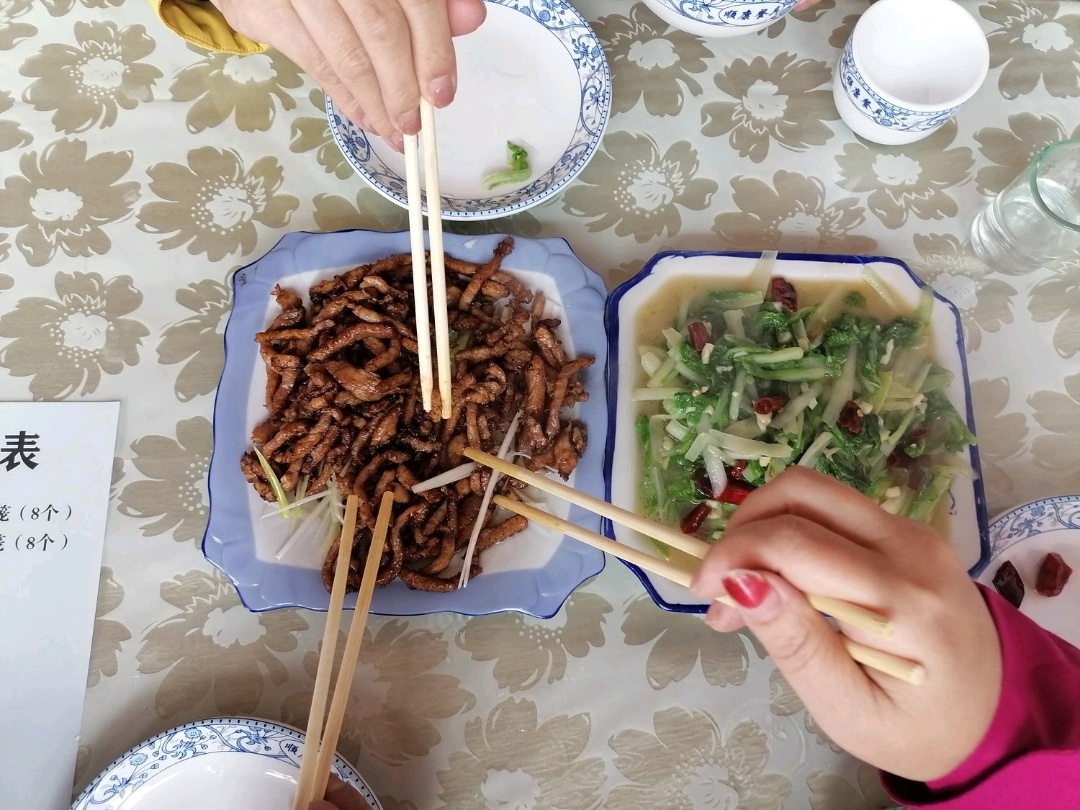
(344,403)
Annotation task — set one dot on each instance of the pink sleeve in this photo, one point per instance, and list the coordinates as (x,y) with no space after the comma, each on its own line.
(1030,756)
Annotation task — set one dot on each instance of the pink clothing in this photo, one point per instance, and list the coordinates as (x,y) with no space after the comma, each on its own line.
(1030,756)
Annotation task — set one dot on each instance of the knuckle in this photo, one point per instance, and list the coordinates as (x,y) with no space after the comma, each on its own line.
(380,23)
(798,650)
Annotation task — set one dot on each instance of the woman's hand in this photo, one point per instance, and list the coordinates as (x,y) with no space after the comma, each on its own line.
(340,796)
(375,58)
(807,533)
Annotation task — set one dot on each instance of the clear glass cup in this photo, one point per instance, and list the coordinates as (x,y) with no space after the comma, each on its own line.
(1035,220)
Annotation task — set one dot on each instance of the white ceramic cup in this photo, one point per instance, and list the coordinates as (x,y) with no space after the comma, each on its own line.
(720,18)
(907,68)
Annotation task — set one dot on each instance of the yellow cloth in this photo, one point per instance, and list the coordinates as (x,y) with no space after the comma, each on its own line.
(203,25)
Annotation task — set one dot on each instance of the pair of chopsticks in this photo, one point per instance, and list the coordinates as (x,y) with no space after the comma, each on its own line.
(419,263)
(909,671)
(321,739)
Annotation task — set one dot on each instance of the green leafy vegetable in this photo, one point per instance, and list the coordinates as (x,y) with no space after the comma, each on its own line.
(518,172)
(825,387)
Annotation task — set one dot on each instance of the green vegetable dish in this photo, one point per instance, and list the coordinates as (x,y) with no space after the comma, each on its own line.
(743,386)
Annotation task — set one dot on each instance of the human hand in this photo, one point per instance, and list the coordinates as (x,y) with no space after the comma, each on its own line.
(807,533)
(375,58)
(340,796)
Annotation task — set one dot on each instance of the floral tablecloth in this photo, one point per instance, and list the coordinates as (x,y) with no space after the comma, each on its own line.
(137,173)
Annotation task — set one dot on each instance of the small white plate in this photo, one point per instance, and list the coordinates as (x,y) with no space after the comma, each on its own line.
(534,74)
(227,763)
(1023,537)
(966,505)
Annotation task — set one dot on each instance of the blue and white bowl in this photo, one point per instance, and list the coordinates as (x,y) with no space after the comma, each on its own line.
(720,18)
(534,74)
(907,68)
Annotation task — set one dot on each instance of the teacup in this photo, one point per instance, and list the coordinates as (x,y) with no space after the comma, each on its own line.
(720,18)
(907,68)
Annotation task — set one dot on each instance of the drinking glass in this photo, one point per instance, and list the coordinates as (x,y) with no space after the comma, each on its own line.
(1036,219)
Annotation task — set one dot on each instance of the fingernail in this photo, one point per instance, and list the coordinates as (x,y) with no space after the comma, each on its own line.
(409,123)
(397,142)
(747,588)
(441,90)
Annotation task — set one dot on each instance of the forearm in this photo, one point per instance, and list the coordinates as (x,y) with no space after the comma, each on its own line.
(1030,756)
(200,23)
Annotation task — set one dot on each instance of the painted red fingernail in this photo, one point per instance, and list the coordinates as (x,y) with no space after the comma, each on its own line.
(747,588)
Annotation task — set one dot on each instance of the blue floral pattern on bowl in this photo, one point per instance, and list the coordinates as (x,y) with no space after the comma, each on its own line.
(882,112)
(573,31)
(1047,515)
(131,771)
(731,13)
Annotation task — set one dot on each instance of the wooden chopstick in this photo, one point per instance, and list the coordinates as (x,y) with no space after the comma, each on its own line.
(837,608)
(342,688)
(419,267)
(908,671)
(438,257)
(314,728)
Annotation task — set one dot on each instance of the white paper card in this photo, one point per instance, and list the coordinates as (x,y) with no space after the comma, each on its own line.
(55,468)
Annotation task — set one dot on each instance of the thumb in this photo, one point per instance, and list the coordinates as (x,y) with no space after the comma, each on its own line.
(802,643)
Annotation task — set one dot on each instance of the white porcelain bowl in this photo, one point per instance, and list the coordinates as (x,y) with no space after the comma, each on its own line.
(720,18)
(966,520)
(534,74)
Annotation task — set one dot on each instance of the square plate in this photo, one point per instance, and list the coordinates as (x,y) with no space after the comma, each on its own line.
(967,521)
(532,573)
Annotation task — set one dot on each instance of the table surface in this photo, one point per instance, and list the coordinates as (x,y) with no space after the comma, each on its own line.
(113,285)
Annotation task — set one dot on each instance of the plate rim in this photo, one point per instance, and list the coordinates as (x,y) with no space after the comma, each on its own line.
(341,764)
(604,98)
(999,523)
(611,319)
(583,562)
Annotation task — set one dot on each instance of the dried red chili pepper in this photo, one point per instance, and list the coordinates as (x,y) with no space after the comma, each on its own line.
(899,460)
(767,405)
(703,484)
(735,493)
(915,436)
(784,294)
(1007,582)
(692,522)
(850,419)
(918,472)
(1053,574)
(699,335)
(735,471)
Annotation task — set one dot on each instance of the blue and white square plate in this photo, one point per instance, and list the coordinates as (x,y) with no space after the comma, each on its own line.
(1024,536)
(966,520)
(535,75)
(532,573)
(226,763)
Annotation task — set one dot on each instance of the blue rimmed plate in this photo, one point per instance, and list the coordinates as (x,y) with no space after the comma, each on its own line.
(967,523)
(534,74)
(226,763)
(1023,536)
(532,573)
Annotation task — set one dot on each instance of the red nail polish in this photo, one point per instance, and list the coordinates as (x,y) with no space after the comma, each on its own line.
(747,588)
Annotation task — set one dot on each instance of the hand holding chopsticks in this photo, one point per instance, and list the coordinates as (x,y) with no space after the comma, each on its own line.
(855,615)
(321,741)
(438,263)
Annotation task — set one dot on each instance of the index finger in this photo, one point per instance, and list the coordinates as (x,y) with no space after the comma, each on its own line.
(808,555)
(817,497)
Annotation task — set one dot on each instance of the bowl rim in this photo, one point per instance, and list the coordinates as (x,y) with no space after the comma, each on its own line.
(611,320)
(602,96)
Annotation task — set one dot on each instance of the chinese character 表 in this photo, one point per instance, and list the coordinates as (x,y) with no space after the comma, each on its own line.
(19,448)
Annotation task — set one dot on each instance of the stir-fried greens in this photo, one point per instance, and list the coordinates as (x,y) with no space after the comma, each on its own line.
(742,387)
